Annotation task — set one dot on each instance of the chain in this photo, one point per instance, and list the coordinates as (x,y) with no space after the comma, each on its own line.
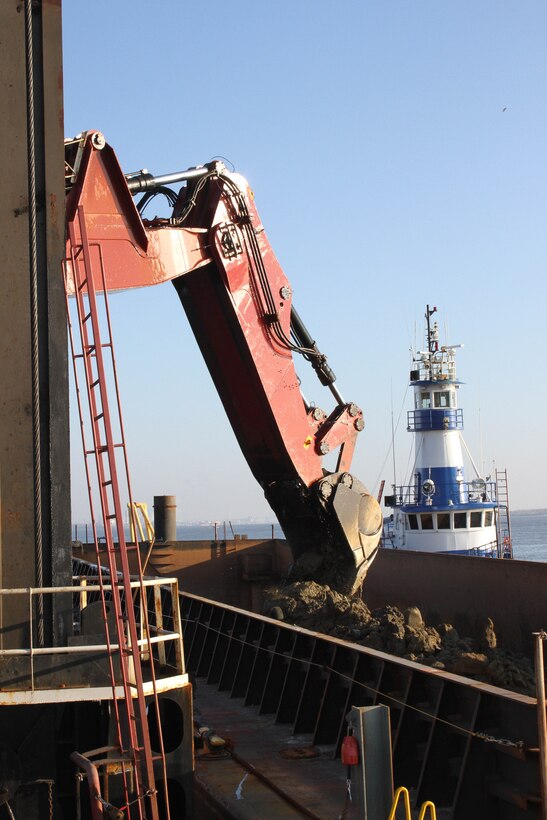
(348,799)
(49,784)
(500,741)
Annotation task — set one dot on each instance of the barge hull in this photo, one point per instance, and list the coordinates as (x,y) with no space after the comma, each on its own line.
(470,748)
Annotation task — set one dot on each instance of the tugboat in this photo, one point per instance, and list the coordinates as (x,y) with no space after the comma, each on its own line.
(439,511)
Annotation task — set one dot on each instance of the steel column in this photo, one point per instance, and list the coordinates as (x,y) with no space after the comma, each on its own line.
(34,456)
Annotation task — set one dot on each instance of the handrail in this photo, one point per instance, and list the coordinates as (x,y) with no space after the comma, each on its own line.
(68,650)
(403,791)
(160,637)
(428,805)
(151,582)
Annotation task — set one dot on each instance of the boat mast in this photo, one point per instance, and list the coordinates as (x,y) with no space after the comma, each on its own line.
(428,314)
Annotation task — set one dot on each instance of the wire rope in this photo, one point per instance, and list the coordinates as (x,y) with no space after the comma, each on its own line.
(33,248)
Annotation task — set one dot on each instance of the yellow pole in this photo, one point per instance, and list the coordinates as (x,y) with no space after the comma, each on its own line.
(542,719)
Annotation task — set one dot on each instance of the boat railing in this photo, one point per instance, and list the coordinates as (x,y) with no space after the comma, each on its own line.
(446,418)
(462,492)
(162,640)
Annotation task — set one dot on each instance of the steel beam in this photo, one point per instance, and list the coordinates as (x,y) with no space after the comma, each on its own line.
(34,446)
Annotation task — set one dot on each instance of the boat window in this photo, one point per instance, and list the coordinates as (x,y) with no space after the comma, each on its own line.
(460,520)
(427,521)
(412,521)
(488,515)
(476,519)
(442,399)
(425,401)
(443,521)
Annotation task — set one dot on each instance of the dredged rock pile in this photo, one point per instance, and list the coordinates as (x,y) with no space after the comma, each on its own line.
(400,633)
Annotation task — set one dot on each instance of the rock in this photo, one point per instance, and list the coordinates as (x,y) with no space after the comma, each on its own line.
(389,615)
(276,612)
(487,639)
(467,664)
(319,608)
(447,633)
(373,641)
(297,600)
(413,618)
(422,642)
(433,662)
(511,671)
(396,645)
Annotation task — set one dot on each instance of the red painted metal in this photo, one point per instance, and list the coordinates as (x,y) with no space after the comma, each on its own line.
(270,419)
(238,301)
(349,752)
(130,711)
(132,256)
(93,783)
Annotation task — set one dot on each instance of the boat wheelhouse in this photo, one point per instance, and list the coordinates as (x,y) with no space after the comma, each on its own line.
(439,510)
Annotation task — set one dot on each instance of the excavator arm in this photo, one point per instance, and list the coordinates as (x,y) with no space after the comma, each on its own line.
(238,301)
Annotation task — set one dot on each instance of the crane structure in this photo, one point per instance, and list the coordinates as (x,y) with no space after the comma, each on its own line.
(239,304)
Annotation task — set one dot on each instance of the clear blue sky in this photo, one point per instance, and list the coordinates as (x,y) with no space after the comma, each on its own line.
(397,150)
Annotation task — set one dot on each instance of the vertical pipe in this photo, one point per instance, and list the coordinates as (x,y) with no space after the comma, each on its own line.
(165,517)
(542,719)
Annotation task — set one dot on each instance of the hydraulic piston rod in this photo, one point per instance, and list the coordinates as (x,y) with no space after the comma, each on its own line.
(144,181)
(324,371)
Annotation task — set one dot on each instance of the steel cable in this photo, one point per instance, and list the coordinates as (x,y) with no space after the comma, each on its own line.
(485,737)
(33,248)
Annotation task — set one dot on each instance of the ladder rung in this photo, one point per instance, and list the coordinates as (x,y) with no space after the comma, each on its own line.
(106,483)
(112,515)
(86,318)
(94,384)
(84,283)
(90,349)
(99,417)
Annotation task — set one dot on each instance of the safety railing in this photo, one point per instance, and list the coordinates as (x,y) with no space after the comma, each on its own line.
(164,624)
(447,418)
(465,492)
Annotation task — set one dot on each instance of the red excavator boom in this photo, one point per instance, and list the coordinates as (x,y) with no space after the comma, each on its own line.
(239,304)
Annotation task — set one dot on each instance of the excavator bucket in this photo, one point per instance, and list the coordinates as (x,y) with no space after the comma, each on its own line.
(333,528)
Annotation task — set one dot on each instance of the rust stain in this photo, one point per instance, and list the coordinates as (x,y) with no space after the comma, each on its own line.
(13,516)
(53,210)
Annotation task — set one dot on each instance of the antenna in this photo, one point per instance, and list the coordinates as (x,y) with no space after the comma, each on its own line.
(393,438)
(480,432)
(428,314)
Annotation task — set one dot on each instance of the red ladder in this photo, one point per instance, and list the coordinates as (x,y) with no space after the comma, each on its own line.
(106,463)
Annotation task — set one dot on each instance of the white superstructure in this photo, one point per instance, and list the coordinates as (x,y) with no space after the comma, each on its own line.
(439,510)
